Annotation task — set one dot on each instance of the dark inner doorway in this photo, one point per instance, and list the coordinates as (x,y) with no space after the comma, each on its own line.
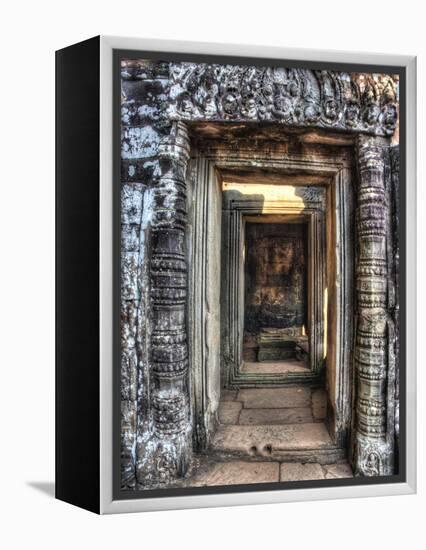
(276,294)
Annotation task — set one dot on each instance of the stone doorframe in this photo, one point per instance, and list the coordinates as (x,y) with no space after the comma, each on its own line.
(235,211)
(160,100)
(211,164)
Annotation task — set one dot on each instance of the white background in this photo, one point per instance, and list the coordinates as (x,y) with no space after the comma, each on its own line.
(29,33)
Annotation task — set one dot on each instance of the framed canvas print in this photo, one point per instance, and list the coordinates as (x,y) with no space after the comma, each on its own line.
(235,275)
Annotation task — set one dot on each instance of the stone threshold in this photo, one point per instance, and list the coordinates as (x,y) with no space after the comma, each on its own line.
(287,436)
(273,367)
(210,472)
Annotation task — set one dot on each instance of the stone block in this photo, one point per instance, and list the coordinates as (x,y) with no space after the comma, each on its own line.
(229,412)
(273,367)
(275,398)
(129,275)
(228,395)
(139,142)
(293,471)
(338,470)
(265,441)
(235,472)
(275,416)
(132,203)
(319,404)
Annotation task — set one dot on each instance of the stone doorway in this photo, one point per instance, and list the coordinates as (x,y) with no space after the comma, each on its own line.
(270,382)
(274,288)
(275,256)
(292,210)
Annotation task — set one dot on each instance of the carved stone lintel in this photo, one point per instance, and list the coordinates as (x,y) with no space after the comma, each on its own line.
(373,454)
(358,102)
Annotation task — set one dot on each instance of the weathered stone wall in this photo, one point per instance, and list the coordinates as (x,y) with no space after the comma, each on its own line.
(142,131)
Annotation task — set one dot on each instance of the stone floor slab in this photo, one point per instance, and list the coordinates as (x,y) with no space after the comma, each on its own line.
(228,395)
(229,412)
(338,470)
(273,367)
(293,471)
(234,473)
(275,416)
(275,398)
(319,404)
(264,440)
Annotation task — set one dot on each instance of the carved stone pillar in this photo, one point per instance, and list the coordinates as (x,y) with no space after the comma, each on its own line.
(373,450)
(169,348)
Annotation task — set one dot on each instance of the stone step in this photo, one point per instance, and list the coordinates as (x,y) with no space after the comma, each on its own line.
(308,442)
(275,398)
(275,416)
(274,367)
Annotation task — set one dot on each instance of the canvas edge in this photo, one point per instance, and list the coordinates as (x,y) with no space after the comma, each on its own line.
(107,504)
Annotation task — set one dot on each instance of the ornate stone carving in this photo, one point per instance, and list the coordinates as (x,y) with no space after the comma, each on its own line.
(373,454)
(395,186)
(295,97)
(169,350)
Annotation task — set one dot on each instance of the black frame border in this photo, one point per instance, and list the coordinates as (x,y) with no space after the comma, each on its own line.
(77,337)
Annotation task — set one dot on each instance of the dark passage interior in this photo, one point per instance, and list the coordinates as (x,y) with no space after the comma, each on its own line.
(276,322)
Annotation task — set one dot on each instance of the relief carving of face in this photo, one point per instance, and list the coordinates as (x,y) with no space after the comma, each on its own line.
(352,112)
(250,109)
(230,104)
(331,109)
(282,105)
(389,117)
(372,114)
